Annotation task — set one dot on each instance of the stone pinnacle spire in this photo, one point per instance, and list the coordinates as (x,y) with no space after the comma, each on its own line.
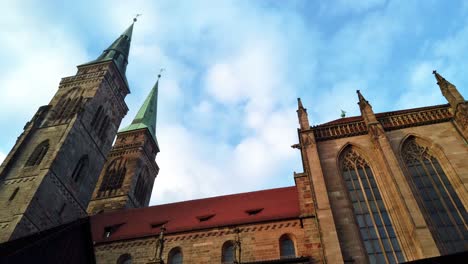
(448,90)
(146,116)
(302,115)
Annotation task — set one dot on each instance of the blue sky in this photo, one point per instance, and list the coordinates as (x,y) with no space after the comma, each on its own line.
(227,101)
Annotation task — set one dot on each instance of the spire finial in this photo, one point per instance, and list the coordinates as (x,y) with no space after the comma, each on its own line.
(440,80)
(299,103)
(361,98)
(135,18)
(160,71)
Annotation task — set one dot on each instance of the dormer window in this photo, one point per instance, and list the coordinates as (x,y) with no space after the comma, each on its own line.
(253,211)
(158,224)
(204,218)
(109,230)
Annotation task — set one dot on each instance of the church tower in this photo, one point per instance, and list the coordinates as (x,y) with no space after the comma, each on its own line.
(128,176)
(48,177)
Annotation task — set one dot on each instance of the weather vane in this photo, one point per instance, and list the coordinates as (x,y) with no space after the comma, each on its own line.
(136,16)
(343,113)
(160,71)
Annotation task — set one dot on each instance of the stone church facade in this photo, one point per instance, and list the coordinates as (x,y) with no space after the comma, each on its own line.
(376,188)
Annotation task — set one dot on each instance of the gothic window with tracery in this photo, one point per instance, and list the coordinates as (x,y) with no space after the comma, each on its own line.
(175,256)
(68,105)
(443,210)
(80,168)
(374,224)
(227,253)
(287,247)
(114,176)
(140,188)
(38,154)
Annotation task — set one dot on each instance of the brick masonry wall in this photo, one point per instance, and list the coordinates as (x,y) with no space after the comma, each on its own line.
(259,242)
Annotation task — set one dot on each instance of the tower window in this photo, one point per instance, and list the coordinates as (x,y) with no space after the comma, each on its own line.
(114,176)
(97,118)
(140,187)
(103,128)
(80,168)
(374,224)
(13,195)
(68,105)
(287,249)
(38,154)
(445,214)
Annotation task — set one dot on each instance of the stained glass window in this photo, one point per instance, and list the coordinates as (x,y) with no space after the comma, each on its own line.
(374,224)
(443,210)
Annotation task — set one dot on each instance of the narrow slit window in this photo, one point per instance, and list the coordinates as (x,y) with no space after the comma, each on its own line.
(13,195)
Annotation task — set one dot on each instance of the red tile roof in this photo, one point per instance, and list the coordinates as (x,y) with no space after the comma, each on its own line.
(281,203)
(378,115)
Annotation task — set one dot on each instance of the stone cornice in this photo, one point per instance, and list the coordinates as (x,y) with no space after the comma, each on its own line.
(389,121)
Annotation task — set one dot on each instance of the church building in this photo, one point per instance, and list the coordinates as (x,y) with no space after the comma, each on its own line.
(375,188)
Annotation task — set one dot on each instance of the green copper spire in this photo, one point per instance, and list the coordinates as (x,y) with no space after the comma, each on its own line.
(118,51)
(146,116)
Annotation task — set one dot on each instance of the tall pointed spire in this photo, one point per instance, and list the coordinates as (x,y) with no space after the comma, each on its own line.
(146,116)
(119,50)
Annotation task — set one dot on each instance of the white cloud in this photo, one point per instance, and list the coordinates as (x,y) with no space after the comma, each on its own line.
(39,53)
(226,112)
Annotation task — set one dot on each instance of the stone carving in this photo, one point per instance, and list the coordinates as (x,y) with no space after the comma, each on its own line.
(160,245)
(237,247)
(461,115)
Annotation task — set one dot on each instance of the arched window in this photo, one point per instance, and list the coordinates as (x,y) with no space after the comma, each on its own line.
(445,214)
(97,118)
(38,154)
(125,259)
(374,224)
(141,186)
(228,253)
(286,247)
(175,256)
(80,168)
(68,105)
(103,129)
(114,176)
